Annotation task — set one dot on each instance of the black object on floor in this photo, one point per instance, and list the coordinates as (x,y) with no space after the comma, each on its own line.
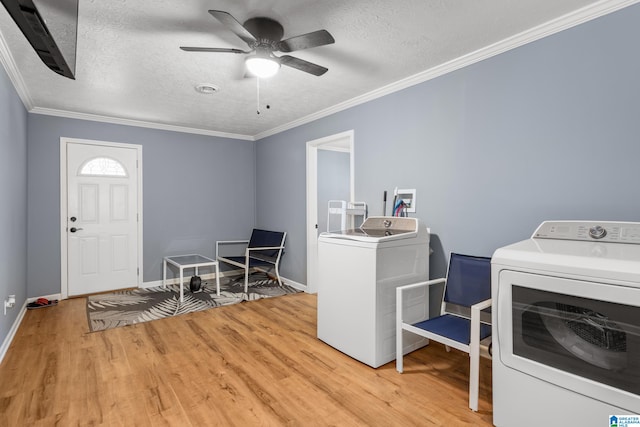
(40,303)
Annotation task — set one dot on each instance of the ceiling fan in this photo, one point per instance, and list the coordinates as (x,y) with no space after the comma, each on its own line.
(264,36)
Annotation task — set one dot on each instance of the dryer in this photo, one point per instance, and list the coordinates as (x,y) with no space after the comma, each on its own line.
(566,326)
(359,271)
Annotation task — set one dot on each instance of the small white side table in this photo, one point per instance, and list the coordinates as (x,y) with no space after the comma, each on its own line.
(189,261)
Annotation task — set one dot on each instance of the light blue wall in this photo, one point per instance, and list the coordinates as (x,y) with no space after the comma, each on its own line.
(549,130)
(13,205)
(196,190)
(333,183)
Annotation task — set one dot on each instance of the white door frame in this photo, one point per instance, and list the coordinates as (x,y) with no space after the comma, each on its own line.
(64,279)
(312,198)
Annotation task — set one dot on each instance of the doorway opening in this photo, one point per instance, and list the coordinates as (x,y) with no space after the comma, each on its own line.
(340,143)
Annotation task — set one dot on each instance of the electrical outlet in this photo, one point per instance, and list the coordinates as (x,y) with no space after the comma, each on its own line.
(9,303)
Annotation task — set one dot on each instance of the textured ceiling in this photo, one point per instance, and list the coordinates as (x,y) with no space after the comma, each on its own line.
(130,68)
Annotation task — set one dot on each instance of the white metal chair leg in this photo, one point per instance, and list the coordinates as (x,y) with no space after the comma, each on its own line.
(399,345)
(474,354)
(474,376)
(278,276)
(246,274)
(217,279)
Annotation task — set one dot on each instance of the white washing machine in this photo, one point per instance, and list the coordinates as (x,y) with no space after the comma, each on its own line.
(566,326)
(359,271)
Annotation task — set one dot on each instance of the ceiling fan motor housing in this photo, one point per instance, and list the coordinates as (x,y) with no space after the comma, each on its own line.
(265,30)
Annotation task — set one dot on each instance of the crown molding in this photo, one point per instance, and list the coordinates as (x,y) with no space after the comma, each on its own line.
(138,123)
(557,25)
(14,75)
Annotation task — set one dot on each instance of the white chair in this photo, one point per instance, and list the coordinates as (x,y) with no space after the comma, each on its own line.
(460,324)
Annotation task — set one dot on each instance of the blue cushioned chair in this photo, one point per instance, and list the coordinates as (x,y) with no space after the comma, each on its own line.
(263,250)
(460,324)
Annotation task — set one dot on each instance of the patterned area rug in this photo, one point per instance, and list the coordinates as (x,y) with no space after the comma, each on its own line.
(123,308)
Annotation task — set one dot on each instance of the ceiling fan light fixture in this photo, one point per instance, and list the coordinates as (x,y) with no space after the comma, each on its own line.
(262,67)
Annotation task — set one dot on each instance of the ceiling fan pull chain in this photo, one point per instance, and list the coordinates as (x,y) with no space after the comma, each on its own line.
(257,95)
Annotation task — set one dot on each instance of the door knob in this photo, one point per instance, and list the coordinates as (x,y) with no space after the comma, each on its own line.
(73,229)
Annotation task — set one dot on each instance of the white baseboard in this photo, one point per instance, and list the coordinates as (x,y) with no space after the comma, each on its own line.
(12,332)
(293,284)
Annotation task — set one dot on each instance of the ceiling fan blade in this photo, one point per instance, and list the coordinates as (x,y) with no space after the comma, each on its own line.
(212,49)
(302,65)
(306,41)
(231,23)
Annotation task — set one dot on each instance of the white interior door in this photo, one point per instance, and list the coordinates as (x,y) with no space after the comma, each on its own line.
(102,218)
(341,141)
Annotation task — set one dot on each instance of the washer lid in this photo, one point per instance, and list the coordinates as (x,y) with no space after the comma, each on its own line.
(379,229)
(390,224)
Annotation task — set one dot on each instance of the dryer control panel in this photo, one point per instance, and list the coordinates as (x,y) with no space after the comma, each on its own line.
(601,231)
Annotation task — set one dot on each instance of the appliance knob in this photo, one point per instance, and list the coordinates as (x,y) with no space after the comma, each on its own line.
(597,232)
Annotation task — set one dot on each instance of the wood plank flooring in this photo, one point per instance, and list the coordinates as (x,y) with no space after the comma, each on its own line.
(255,363)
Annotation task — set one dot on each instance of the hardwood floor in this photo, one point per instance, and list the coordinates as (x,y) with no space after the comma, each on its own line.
(256,363)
